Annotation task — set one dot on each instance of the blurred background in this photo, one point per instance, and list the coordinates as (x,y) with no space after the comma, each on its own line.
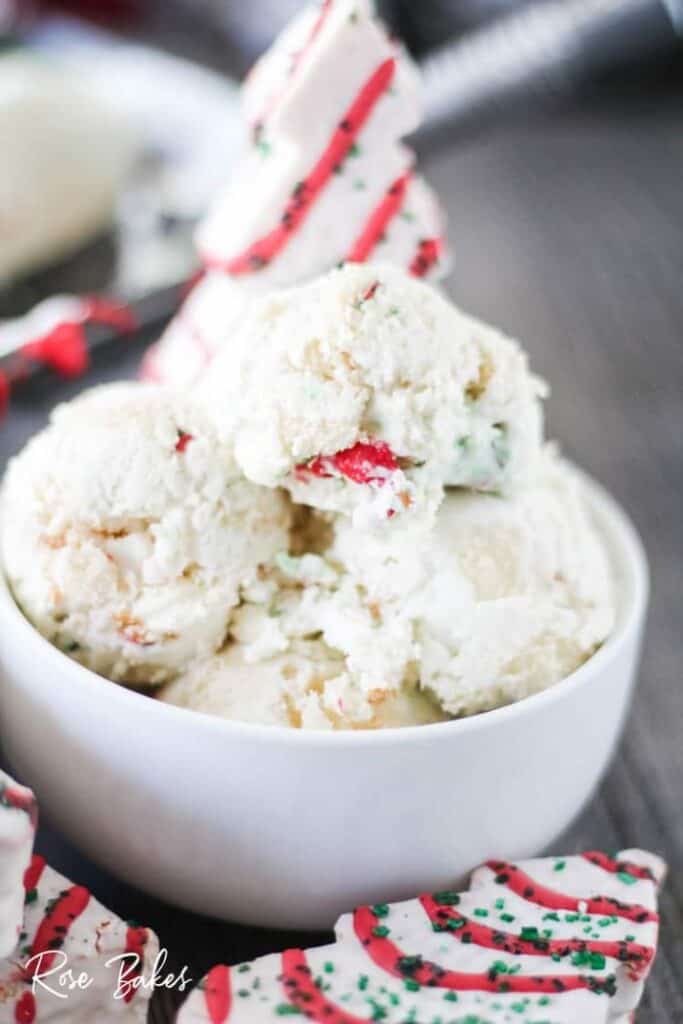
(102,191)
(554,137)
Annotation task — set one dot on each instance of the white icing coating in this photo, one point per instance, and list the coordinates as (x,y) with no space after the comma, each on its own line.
(18,814)
(444,958)
(92,942)
(294,100)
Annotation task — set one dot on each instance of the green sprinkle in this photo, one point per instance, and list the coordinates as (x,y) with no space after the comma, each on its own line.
(500,903)
(627,879)
(287,1010)
(480,912)
(508,918)
(380,909)
(560,865)
(380,931)
(363,982)
(411,985)
(447,898)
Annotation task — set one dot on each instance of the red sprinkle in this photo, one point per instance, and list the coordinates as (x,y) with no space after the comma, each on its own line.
(364,463)
(428,253)
(183,441)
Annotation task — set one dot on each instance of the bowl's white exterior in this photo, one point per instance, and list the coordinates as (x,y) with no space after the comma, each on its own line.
(274,827)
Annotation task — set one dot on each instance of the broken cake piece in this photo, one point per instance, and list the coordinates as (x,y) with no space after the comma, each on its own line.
(558,941)
(18,819)
(65,929)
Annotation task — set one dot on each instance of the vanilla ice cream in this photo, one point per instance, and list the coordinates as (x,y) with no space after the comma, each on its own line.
(271,674)
(365,391)
(127,532)
(505,597)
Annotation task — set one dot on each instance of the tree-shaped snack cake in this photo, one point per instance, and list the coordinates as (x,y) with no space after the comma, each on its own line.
(325,180)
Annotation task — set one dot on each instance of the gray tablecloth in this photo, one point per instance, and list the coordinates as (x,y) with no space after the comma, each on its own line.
(569,234)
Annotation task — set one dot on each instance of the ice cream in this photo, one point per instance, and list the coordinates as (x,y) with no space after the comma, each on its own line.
(325,179)
(364,392)
(501,599)
(273,672)
(505,597)
(559,940)
(66,929)
(18,817)
(127,532)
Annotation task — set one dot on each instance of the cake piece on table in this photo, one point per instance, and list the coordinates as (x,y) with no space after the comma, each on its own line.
(66,929)
(18,818)
(552,941)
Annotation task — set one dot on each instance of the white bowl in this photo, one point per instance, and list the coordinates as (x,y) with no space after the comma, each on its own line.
(276,827)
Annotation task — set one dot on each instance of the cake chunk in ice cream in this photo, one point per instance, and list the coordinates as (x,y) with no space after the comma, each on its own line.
(128,531)
(364,392)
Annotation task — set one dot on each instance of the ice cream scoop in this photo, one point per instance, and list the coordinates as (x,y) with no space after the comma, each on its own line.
(127,532)
(504,598)
(366,391)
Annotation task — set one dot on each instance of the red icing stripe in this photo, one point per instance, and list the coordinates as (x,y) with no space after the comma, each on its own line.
(446,918)
(619,867)
(218,994)
(115,314)
(63,349)
(25,1011)
(376,225)
(297,61)
(19,800)
(390,958)
(428,254)
(302,992)
(59,916)
(34,873)
(4,393)
(518,882)
(261,252)
(136,940)
(363,463)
